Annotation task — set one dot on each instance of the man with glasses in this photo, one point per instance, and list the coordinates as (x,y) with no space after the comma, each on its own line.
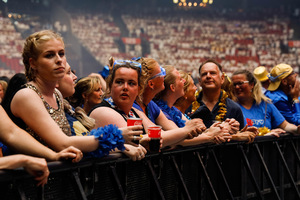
(214,102)
(284,92)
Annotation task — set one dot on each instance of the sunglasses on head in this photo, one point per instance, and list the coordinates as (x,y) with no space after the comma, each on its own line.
(127,62)
(161,74)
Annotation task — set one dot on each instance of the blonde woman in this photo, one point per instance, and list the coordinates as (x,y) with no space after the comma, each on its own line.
(38,107)
(258,110)
(88,93)
(184,102)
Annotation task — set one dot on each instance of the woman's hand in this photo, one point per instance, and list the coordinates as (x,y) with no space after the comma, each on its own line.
(38,168)
(218,132)
(234,125)
(244,136)
(131,133)
(70,152)
(221,138)
(135,153)
(145,142)
(276,132)
(195,127)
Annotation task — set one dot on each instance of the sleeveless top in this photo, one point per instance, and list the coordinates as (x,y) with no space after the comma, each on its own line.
(58,115)
(108,104)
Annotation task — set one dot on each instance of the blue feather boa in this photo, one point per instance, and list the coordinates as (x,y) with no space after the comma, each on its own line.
(110,137)
(175,114)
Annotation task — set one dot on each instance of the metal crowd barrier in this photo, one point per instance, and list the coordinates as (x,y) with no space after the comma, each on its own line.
(268,168)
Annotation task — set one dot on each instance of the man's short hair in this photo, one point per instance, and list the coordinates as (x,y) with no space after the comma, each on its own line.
(210,61)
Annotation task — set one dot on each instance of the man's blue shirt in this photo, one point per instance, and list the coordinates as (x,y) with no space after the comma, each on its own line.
(285,105)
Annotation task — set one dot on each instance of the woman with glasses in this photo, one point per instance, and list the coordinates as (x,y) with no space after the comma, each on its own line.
(258,110)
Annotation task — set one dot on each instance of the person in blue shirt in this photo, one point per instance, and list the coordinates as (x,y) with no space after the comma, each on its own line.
(258,110)
(284,92)
(155,83)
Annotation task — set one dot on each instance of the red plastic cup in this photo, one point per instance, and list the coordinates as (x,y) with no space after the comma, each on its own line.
(154,132)
(134,121)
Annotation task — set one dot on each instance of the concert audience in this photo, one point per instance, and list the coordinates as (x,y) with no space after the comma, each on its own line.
(38,107)
(16,138)
(81,124)
(148,109)
(284,92)
(125,83)
(154,78)
(258,110)
(214,104)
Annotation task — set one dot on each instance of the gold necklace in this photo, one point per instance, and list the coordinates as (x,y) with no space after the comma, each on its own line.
(222,107)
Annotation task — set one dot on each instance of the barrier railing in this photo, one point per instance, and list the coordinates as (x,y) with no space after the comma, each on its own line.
(268,168)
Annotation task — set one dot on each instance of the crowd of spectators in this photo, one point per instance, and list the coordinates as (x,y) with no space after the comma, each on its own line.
(184,41)
(97,33)
(180,40)
(11,45)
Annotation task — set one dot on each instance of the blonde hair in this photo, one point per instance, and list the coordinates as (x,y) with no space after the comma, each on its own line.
(188,78)
(84,86)
(80,115)
(32,49)
(170,79)
(148,65)
(4,85)
(257,89)
(227,86)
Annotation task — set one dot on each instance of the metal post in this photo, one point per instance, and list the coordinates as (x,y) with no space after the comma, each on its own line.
(285,166)
(222,174)
(206,176)
(80,190)
(186,192)
(119,186)
(266,170)
(250,173)
(155,180)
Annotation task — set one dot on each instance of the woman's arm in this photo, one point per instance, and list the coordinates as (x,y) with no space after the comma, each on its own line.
(28,106)
(175,135)
(288,127)
(34,166)
(21,141)
(104,116)
(163,121)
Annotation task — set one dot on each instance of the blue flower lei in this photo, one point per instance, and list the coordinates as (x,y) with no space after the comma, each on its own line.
(110,137)
(172,112)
